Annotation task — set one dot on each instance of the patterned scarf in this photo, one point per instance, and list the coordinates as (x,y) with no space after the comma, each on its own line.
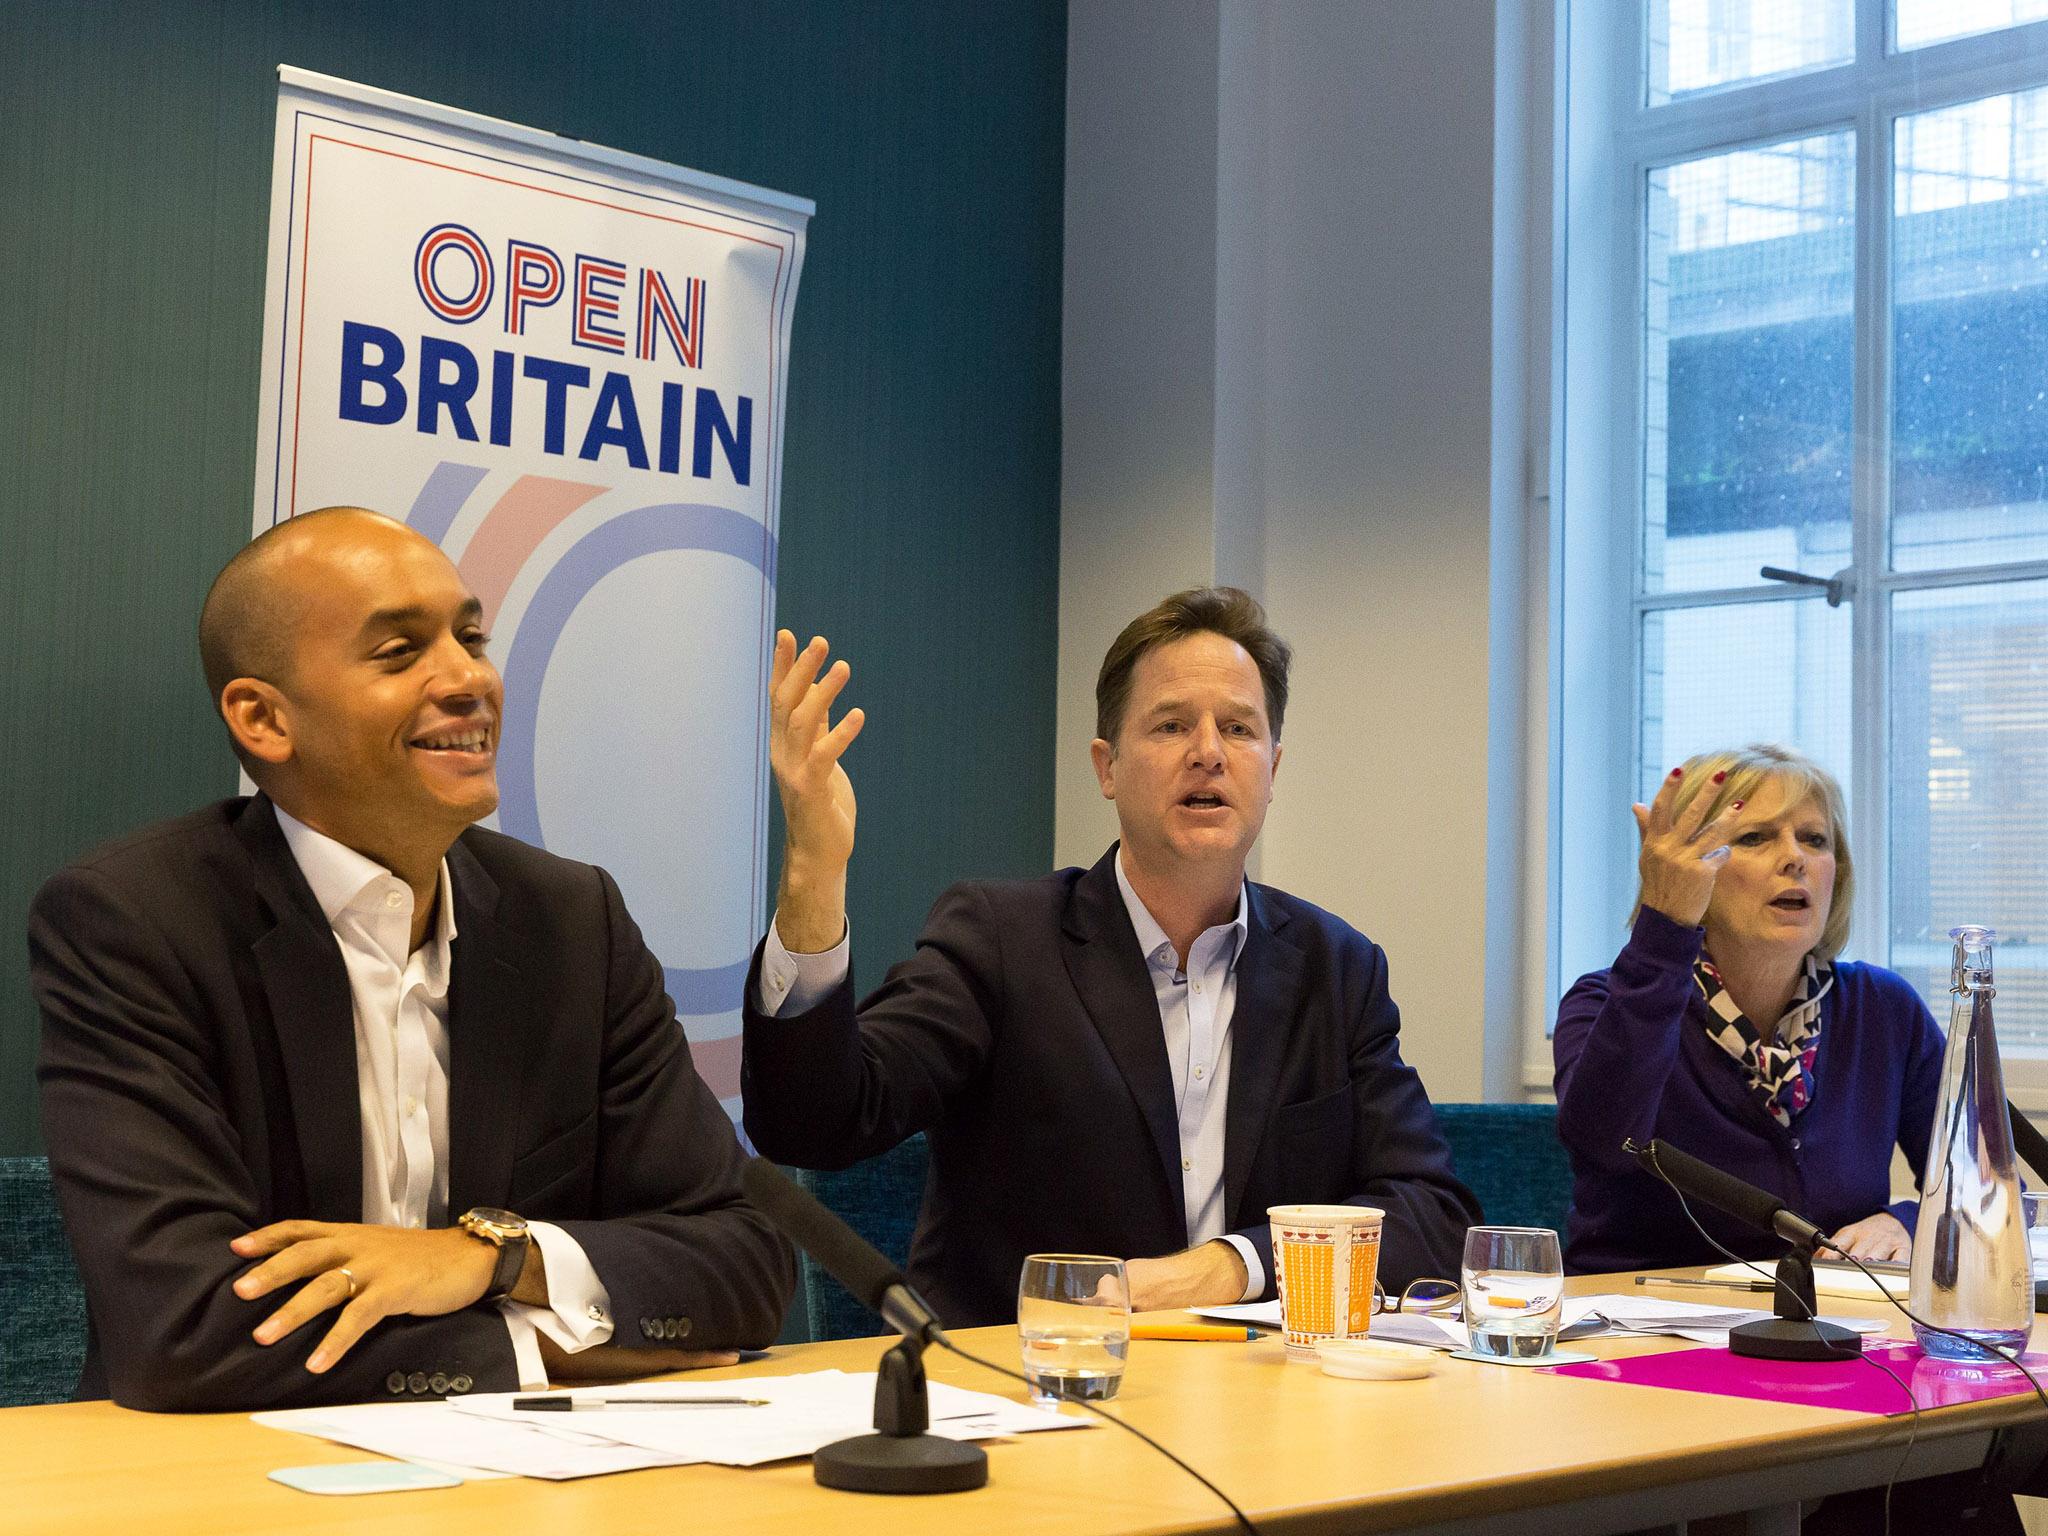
(1780,1072)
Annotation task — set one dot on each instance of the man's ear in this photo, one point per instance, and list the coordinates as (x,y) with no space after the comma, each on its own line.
(259,719)
(1103,756)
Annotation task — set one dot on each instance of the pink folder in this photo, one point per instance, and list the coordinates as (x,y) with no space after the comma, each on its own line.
(1856,1386)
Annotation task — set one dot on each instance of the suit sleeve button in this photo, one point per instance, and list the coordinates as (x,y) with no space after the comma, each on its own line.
(682,1327)
(395,1382)
(459,1383)
(417,1383)
(438,1383)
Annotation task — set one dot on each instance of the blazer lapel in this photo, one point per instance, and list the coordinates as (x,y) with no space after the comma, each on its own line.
(492,1023)
(1101,951)
(1268,1002)
(311,1011)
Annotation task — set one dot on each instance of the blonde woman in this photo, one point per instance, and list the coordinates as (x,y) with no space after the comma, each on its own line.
(1728,1027)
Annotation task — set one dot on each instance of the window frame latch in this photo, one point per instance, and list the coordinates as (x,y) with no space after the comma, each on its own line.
(1838,586)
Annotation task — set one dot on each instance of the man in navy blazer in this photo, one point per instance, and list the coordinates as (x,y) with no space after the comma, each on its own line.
(1135,1059)
(347,1098)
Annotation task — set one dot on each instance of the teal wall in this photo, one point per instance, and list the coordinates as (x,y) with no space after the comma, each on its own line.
(920,515)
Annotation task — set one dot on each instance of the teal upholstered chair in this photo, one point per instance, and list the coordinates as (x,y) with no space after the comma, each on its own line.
(42,1306)
(879,1200)
(1510,1157)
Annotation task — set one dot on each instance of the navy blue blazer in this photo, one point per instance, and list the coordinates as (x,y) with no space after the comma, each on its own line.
(199,1080)
(1023,1035)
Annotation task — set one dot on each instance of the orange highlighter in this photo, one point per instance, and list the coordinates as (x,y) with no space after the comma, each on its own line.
(1208,1333)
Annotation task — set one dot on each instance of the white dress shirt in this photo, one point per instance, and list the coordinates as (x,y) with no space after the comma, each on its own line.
(400,999)
(1195,1008)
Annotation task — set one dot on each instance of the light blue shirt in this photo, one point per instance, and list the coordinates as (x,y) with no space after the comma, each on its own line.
(1195,1008)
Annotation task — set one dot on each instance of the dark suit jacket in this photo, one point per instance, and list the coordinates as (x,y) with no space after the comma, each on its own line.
(198,1078)
(1024,1036)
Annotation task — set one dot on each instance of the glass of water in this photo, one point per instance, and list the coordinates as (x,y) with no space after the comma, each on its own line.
(1074,1313)
(1513,1281)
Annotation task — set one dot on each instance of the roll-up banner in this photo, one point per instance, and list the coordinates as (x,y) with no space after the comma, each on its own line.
(567,365)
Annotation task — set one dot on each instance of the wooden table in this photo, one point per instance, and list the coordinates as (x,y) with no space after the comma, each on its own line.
(1473,1449)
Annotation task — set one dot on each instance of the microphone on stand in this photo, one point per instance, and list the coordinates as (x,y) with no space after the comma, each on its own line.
(1795,1333)
(900,1457)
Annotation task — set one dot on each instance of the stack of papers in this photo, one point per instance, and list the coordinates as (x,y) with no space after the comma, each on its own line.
(486,1434)
(1828,1280)
(1582,1317)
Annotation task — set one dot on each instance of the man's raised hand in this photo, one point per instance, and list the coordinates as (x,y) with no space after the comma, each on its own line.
(804,749)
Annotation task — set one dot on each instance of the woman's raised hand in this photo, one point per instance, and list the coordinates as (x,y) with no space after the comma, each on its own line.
(1681,855)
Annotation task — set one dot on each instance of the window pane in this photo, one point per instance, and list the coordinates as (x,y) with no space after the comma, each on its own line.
(1969,825)
(1710,45)
(1748,362)
(1970,334)
(1726,675)
(1916,23)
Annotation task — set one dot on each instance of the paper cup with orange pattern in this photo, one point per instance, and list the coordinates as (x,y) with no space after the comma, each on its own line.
(1325,1259)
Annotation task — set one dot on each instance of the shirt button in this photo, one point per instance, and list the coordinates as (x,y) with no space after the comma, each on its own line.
(597,1314)
(1795,1143)
(393,900)
(1187,1164)
(1198,1074)
(1198,986)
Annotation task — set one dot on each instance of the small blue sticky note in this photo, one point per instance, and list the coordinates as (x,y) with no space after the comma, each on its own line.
(363,1477)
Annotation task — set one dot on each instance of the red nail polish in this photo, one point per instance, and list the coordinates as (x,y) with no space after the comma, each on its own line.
(1678,773)
(1719,777)
(1736,806)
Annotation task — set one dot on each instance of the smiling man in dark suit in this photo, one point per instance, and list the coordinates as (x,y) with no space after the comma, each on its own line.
(348,1099)
(1134,1059)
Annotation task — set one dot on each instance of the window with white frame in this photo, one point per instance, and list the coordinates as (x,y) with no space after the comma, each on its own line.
(1800,452)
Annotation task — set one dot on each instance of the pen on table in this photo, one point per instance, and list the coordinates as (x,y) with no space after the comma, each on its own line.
(1718,1285)
(593,1404)
(1192,1332)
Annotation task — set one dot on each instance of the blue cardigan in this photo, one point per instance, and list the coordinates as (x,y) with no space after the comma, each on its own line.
(1634,1060)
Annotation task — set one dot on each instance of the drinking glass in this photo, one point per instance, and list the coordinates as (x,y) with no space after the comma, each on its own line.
(1074,1313)
(1514,1290)
(2034,1217)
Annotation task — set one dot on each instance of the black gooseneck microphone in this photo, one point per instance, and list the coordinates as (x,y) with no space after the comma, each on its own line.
(899,1457)
(1795,1333)
(848,1257)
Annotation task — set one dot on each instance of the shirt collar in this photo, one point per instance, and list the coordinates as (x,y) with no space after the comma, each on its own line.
(339,877)
(1151,937)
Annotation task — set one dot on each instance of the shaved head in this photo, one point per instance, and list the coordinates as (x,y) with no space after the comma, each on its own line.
(348,661)
(249,621)
(245,626)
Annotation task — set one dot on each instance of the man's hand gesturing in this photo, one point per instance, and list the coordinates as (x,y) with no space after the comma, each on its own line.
(1681,856)
(804,749)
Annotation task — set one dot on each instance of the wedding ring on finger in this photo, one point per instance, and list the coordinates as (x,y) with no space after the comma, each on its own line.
(349,1275)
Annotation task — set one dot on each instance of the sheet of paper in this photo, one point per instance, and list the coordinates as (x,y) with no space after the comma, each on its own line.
(436,1433)
(802,1413)
(1690,1320)
(1262,1314)
(1828,1280)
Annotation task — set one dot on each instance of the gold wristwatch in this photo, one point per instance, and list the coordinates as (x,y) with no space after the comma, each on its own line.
(506,1233)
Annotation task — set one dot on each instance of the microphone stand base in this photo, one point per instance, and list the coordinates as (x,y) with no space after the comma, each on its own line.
(900,1464)
(1782,1338)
